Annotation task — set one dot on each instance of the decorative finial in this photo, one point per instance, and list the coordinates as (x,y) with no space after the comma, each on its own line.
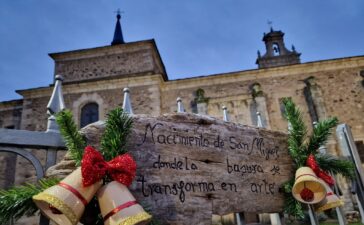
(293,48)
(180,107)
(59,77)
(56,102)
(55,105)
(118,14)
(127,103)
(118,35)
(259,120)
(225,113)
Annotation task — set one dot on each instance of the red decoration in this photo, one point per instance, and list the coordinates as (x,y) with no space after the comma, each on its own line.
(93,167)
(307,195)
(54,210)
(311,162)
(119,208)
(75,192)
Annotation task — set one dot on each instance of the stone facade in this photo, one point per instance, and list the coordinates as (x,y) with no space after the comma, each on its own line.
(322,89)
(10,118)
(133,59)
(10,114)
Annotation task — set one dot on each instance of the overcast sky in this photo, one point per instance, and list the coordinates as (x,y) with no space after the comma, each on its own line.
(194,37)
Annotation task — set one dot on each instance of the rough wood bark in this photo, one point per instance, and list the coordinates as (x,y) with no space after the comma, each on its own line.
(192,166)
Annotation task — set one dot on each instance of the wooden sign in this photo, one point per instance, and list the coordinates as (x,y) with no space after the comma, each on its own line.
(192,166)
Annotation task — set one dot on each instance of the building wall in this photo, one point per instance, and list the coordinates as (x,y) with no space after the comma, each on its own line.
(10,118)
(107,62)
(10,114)
(145,98)
(336,87)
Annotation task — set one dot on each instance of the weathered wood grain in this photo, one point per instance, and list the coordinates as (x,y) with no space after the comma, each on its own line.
(191,166)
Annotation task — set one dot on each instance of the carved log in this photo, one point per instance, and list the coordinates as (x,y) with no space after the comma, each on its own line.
(63,168)
(190,166)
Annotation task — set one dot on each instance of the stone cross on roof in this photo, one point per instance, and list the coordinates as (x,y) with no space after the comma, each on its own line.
(270,24)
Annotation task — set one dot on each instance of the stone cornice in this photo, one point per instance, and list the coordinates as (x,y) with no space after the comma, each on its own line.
(291,70)
(91,86)
(101,51)
(240,76)
(12,104)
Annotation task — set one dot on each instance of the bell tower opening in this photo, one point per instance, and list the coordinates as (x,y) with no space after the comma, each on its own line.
(276,52)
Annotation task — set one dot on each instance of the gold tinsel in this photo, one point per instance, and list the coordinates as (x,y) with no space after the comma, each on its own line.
(131,220)
(61,206)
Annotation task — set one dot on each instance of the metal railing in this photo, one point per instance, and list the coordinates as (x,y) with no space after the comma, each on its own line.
(17,141)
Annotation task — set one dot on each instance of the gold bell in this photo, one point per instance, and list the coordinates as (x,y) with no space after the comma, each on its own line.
(65,202)
(307,181)
(119,207)
(330,201)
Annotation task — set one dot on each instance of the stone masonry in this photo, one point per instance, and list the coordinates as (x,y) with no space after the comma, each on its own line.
(99,75)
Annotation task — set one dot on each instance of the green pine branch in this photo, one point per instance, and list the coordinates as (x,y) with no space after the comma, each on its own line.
(335,165)
(297,133)
(291,205)
(320,134)
(74,141)
(17,201)
(300,147)
(114,139)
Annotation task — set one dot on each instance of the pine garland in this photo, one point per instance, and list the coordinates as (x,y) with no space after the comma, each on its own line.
(321,133)
(114,139)
(17,201)
(335,165)
(298,132)
(292,206)
(74,141)
(300,147)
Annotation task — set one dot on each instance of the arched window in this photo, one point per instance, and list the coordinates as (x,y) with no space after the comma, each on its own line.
(89,114)
(276,50)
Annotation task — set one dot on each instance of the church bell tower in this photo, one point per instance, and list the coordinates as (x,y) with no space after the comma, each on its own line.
(276,52)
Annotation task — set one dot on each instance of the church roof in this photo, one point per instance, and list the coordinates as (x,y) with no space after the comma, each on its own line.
(272,33)
(118,34)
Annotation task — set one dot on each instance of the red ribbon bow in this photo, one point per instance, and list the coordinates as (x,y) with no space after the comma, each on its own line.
(311,162)
(93,168)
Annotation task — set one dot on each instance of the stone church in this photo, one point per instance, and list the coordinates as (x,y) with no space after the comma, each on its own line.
(94,79)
